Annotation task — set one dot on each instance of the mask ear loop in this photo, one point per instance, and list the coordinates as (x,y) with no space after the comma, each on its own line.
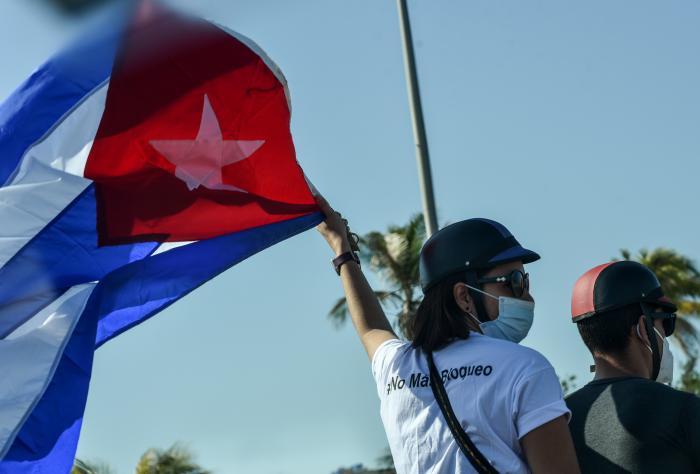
(639,335)
(477,296)
(478,323)
(651,335)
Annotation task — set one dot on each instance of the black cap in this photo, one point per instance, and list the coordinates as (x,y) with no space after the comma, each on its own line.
(473,244)
(613,285)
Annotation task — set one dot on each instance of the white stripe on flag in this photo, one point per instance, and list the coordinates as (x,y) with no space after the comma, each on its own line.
(29,356)
(67,145)
(49,176)
(27,207)
(168,246)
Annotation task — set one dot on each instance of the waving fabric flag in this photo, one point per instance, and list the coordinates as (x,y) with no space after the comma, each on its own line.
(139,163)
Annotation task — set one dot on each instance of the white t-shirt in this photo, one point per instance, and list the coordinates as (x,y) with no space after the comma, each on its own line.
(499,391)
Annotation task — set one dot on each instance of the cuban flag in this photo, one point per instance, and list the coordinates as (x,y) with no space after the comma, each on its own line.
(139,163)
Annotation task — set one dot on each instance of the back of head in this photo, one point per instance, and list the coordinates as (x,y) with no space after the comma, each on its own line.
(608,332)
(607,302)
(460,252)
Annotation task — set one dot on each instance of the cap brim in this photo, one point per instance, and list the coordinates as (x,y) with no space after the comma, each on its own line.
(515,253)
(666,304)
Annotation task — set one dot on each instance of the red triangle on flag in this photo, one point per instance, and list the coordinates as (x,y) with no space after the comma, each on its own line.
(194,141)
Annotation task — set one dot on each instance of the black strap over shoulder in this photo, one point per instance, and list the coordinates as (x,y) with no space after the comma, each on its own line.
(477,460)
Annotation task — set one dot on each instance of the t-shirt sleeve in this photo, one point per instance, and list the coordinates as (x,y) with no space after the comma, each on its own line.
(691,419)
(538,399)
(384,356)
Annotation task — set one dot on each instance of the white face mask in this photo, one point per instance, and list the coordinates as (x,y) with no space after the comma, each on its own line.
(666,365)
(514,320)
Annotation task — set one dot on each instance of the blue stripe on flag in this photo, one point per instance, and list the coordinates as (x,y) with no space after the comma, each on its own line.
(63,254)
(54,90)
(48,440)
(138,290)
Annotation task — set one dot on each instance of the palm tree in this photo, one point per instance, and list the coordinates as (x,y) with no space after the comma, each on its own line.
(394,256)
(84,467)
(174,460)
(386,461)
(680,281)
(568,384)
(690,379)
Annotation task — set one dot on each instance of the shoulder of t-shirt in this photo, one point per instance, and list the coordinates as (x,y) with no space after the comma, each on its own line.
(691,406)
(386,353)
(639,386)
(688,404)
(583,396)
(517,356)
(522,362)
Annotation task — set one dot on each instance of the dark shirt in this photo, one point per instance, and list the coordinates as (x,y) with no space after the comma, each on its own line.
(631,424)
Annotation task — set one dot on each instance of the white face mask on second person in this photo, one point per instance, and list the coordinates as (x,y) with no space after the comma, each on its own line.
(666,365)
(514,320)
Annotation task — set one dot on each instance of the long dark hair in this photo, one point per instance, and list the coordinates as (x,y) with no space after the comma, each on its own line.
(439,320)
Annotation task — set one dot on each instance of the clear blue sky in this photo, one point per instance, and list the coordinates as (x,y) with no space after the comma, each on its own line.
(575,124)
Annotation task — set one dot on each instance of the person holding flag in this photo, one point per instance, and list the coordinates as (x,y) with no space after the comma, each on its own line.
(462,396)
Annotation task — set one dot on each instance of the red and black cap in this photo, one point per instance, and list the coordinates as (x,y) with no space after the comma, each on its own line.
(614,285)
(467,246)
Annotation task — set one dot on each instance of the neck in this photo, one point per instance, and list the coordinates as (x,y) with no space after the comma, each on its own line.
(624,365)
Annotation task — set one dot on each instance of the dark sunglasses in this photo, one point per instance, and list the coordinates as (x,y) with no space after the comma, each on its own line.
(669,321)
(518,281)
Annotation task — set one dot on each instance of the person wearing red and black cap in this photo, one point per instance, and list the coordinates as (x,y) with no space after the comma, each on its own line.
(462,395)
(627,419)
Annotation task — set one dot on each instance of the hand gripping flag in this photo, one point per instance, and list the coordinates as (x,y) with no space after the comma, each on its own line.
(137,164)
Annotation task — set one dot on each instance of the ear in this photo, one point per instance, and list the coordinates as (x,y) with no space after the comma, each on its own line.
(460,292)
(642,328)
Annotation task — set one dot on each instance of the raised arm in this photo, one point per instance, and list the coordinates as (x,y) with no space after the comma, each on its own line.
(365,311)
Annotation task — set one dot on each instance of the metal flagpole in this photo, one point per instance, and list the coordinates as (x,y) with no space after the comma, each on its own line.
(424,175)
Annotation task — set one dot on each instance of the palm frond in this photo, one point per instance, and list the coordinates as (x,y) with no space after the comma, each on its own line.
(339,312)
(686,336)
(175,460)
(386,297)
(413,238)
(690,379)
(689,308)
(395,254)
(406,316)
(85,467)
(680,281)
(678,274)
(386,461)
(80,467)
(379,256)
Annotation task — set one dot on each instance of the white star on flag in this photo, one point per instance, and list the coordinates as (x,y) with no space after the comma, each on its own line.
(199,162)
